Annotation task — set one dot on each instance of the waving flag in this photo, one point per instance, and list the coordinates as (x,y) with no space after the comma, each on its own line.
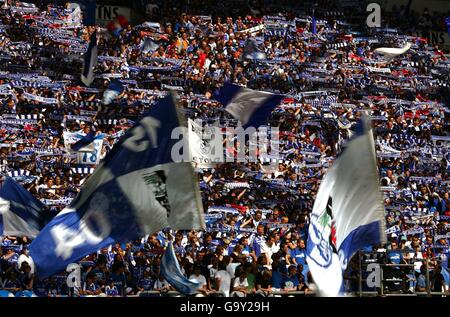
(148,46)
(20,213)
(90,60)
(348,213)
(447,23)
(88,8)
(136,190)
(314,25)
(170,269)
(85,141)
(249,106)
(391,52)
(115,88)
(251,50)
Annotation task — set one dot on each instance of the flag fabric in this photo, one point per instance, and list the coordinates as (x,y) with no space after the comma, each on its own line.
(115,88)
(250,107)
(85,141)
(251,50)
(136,190)
(391,52)
(88,7)
(348,212)
(314,25)
(447,23)
(170,269)
(148,46)
(90,60)
(20,213)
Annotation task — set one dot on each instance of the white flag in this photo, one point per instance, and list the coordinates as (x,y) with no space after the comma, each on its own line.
(348,212)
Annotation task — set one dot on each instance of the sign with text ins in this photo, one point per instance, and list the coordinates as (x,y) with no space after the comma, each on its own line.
(104,14)
(436,38)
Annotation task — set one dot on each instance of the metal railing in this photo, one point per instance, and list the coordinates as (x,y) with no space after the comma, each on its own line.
(381,288)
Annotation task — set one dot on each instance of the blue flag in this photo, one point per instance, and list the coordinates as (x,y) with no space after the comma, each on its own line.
(88,8)
(170,269)
(250,107)
(447,23)
(90,60)
(85,141)
(115,88)
(20,213)
(136,190)
(314,25)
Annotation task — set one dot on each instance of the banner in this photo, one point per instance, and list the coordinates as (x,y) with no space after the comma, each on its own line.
(205,145)
(86,155)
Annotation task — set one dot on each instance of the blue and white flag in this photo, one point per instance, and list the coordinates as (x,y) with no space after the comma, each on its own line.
(20,213)
(115,88)
(136,190)
(85,141)
(148,46)
(250,107)
(251,50)
(88,7)
(170,269)
(348,213)
(90,60)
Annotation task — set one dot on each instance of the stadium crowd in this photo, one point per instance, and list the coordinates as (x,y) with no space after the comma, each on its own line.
(256,212)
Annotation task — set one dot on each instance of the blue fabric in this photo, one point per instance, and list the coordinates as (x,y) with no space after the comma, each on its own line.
(86,140)
(64,240)
(88,7)
(170,269)
(23,204)
(260,113)
(314,25)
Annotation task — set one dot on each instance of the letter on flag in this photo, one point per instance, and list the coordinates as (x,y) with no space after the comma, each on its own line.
(136,190)
(170,269)
(250,107)
(90,60)
(20,213)
(348,212)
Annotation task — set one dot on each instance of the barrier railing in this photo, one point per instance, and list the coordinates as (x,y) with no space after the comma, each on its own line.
(381,288)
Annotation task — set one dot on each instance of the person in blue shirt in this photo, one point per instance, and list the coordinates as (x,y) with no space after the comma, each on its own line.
(277,275)
(146,282)
(298,255)
(117,277)
(290,281)
(394,255)
(421,285)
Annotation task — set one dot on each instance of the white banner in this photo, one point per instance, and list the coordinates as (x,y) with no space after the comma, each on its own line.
(87,155)
(205,145)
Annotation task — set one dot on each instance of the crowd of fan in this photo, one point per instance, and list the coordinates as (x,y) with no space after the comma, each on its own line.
(256,213)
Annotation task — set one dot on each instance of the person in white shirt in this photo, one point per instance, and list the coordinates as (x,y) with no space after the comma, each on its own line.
(266,249)
(223,279)
(24,257)
(197,277)
(240,284)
